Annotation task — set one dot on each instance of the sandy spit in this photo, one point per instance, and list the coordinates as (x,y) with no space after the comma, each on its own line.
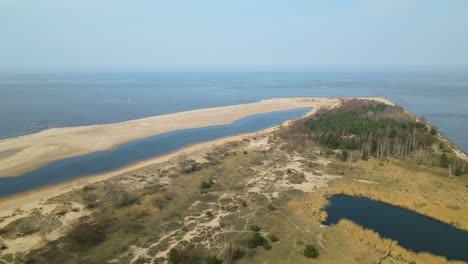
(53,144)
(39,149)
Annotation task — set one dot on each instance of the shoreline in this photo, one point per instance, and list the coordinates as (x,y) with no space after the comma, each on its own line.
(36,150)
(33,198)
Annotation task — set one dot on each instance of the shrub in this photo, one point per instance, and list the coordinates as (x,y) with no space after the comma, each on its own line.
(183,255)
(256,240)
(433,131)
(458,172)
(245,153)
(212,260)
(255,228)
(344,155)
(173,256)
(83,231)
(244,203)
(118,196)
(271,207)
(234,254)
(273,238)
(207,184)
(444,161)
(266,246)
(441,145)
(159,202)
(310,251)
(168,195)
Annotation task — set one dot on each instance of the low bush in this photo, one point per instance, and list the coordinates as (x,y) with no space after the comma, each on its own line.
(271,207)
(212,260)
(207,184)
(255,228)
(234,254)
(183,255)
(310,251)
(83,232)
(273,238)
(256,240)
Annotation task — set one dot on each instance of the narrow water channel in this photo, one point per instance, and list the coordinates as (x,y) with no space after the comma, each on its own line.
(127,153)
(7,153)
(413,231)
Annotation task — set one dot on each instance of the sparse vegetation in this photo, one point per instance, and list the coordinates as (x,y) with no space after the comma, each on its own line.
(310,251)
(256,240)
(273,238)
(234,253)
(255,228)
(444,161)
(441,145)
(183,255)
(87,230)
(212,260)
(207,184)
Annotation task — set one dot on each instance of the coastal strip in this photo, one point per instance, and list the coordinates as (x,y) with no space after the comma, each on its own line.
(39,149)
(35,198)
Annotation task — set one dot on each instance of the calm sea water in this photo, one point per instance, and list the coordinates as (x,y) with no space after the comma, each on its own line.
(33,102)
(412,231)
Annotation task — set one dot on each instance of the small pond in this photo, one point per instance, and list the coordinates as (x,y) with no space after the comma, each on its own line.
(413,231)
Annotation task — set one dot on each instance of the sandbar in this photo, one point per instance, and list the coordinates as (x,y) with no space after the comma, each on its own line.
(212,116)
(39,149)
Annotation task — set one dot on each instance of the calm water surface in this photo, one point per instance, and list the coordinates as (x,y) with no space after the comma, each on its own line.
(412,231)
(33,102)
(103,161)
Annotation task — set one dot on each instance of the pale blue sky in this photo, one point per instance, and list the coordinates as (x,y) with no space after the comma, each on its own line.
(113,35)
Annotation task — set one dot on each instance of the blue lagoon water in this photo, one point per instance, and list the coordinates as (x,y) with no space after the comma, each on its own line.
(33,102)
(127,153)
(412,231)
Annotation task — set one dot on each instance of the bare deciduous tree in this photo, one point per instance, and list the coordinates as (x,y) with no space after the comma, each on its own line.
(182,162)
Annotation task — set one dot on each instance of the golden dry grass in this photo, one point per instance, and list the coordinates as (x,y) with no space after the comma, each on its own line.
(411,201)
(403,184)
(371,239)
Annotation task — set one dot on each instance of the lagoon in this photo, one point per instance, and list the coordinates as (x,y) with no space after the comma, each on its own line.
(127,153)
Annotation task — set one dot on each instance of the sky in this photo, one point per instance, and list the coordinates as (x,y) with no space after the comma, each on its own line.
(147,35)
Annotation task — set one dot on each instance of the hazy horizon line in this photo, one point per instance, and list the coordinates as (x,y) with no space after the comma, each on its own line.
(250,68)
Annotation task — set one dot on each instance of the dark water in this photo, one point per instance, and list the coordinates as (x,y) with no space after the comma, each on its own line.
(103,161)
(413,231)
(32,102)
